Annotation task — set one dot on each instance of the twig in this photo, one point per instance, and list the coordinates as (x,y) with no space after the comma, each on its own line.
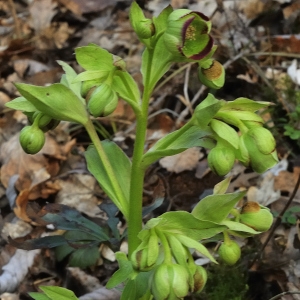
(15,17)
(277,222)
(284,293)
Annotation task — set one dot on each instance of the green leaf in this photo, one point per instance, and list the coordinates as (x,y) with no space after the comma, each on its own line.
(225,132)
(91,75)
(63,251)
(246,104)
(191,243)
(160,22)
(215,208)
(177,142)
(39,296)
(129,291)
(84,257)
(123,273)
(56,101)
(95,58)
(236,226)
(121,166)
(70,76)
(22,104)
(126,88)
(184,223)
(221,187)
(206,110)
(66,218)
(58,293)
(43,242)
(153,69)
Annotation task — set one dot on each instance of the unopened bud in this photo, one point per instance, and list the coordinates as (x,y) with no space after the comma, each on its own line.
(229,252)
(221,160)
(32,139)
(256,216)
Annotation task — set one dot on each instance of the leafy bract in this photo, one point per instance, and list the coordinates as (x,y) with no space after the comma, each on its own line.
(22,104)
(177,142)
(124,272)
(183,223)
(246,104)
(121,166)
(95,58)
(56,101)
(126,88)
(215,208)
(161,61)
(68,79)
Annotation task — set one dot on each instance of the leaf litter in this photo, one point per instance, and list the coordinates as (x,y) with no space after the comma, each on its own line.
(45,31)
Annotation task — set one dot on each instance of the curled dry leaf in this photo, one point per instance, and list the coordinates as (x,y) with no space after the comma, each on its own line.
(34,171)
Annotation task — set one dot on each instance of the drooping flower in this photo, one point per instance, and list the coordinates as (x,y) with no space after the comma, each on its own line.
(187,35)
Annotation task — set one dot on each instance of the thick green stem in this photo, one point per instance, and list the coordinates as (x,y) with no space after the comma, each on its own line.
(122,203)
(137,170)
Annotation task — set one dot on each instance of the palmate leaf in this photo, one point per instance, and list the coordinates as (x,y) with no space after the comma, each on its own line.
(57,101)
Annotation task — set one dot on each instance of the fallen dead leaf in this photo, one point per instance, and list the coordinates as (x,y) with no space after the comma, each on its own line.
(186,160)
(78,191)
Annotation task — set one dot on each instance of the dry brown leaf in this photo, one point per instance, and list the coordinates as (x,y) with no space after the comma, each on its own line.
(186,160)
(79,7)
(78,191)
(42,12)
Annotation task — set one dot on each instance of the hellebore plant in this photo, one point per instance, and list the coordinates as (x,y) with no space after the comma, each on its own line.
(159,264)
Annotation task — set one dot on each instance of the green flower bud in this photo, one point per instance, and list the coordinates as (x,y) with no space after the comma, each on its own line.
(170,282)
(88,85)
(213,76)
(32,139)
(229,252)
(199,279)
(103,101)
(143,27)
(259,159)
(187,35)
(139,259)
(263,139)
(256,216)
(221,160)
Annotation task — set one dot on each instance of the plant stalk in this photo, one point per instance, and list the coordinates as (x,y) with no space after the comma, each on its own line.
(122,201)
(137,170)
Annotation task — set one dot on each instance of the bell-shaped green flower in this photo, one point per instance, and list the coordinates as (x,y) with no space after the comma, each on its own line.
(170,282)
(260,145)
(32,139)
(212,76)
(221,159)
(43,121)
(199,279)
(103,101)
(229,252)
(143,27)
(187,35)
(139,259)
(256,216)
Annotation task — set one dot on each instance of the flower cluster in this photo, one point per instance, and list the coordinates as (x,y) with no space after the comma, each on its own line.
(253,145)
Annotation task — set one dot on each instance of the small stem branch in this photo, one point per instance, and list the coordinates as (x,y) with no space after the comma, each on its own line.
(122,203)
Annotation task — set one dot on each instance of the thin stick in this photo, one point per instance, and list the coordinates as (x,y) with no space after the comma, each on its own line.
(284,293)
(277,222)
(16,20)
